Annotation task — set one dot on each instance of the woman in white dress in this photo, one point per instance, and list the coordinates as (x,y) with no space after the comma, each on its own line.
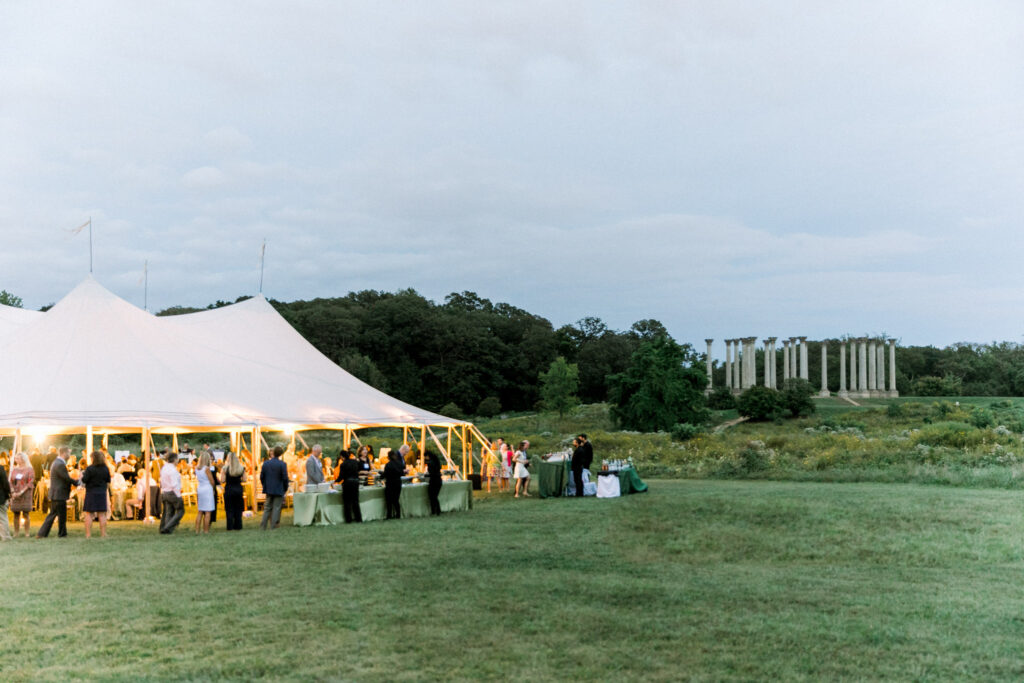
(206,498)
(522,474)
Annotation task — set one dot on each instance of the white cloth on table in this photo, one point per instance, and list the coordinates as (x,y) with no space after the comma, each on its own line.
(607,486)
(589,487)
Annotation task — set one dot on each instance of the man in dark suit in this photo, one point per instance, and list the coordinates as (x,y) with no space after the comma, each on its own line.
(60,491)
(274,478)
(582,458)
(348,473)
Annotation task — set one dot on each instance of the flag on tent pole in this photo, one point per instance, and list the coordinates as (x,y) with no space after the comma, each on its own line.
(75,231)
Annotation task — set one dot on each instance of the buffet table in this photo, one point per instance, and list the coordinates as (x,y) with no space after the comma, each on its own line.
(628,482)
(326,508)
(554,477)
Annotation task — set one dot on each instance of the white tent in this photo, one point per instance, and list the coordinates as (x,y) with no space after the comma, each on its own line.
(95,359)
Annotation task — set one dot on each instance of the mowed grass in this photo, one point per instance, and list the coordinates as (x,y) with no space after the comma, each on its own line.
(712,580)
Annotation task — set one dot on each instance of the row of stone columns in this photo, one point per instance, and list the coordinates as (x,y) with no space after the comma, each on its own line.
(866,369)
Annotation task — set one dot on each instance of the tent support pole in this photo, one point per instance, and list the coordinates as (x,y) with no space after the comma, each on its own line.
(423,444)
(346,437)
(106,442)
(449,442)
(256,439)
(148,500)
(462,438)
(446,452)
(17,441)
(88,441)
(174,442)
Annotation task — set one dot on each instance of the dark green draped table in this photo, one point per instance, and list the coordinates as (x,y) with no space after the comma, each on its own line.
(553,477)
(326,508)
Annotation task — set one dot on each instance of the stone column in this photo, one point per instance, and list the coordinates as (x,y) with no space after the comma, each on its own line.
(728,363)
(892,369)
(785,360)
(753,362)
(862,367)
(769,362)
(804,372)
(794,360)
(872,369)
(824,372)
(736,360)
(842,370)
(881,367)
(709,363)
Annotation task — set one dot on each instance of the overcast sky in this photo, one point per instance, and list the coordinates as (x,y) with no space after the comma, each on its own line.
(731,169)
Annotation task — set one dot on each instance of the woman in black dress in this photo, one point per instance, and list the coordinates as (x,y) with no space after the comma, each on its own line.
(96,479)
(393,473)
(348,475)
(434,483)
(233,476)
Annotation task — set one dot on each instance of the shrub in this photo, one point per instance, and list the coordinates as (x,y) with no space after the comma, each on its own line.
(895,410)
(684,431)
(451,410)
(952,434)
(982,418)
(721,398)
(936,386)
(796,397)
(759,403)
(489,407)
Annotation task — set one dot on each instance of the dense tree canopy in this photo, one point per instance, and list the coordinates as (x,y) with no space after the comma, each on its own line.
(662,386)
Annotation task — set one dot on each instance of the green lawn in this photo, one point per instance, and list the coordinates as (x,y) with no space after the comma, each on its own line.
(696,579)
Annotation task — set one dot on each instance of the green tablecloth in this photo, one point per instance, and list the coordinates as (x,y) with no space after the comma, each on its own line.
(630,482)
(326,508)
(552,477)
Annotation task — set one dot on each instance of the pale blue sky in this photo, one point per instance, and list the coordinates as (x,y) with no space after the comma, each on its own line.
(732,169)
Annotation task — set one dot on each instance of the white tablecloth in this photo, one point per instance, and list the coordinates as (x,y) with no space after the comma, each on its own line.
(608,486)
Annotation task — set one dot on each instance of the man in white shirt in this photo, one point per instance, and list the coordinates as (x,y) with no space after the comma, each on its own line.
(170,494)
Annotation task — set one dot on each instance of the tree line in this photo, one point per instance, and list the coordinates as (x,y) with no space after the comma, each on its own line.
(465,356)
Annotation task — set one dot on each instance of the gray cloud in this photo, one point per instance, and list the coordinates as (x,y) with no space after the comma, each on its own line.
(783,169)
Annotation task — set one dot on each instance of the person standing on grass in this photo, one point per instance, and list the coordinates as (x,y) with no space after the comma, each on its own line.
(522,460)
(5,497)
(233,475)
(22,478)
(60,491)
(393,473)
(206,494)
(274,478)
(348,474)
(96,480)
(314,466)
(170,494)
(433,480)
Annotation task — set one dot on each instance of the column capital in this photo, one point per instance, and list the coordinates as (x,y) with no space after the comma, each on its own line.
(708,341)
(771,340)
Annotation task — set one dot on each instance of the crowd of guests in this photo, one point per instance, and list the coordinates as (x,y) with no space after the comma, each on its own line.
(503,465)
(54,481)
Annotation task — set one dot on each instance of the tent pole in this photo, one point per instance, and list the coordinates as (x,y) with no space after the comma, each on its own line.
(88,440)
(462,438)
(174,442)
(255,459)
(346,437)
(17,440)
(449,442)
(423,444)
(148,500)
(106,441)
